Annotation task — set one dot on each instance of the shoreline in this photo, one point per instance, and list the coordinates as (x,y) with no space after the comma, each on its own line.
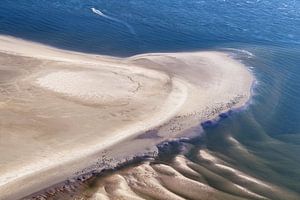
(169,94)
(70,185)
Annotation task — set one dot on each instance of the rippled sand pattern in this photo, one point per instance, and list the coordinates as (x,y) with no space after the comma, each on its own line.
(204,176)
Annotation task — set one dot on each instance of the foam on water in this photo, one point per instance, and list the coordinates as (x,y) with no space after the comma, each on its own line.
(241,52)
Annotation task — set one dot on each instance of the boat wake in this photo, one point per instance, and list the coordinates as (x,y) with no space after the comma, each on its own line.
(100,13)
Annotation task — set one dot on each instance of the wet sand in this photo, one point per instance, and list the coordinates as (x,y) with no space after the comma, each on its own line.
(61,110)
(205,175)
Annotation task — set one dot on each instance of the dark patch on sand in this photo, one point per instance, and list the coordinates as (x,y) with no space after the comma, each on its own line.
(148,135)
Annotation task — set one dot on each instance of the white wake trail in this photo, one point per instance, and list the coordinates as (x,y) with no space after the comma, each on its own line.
(98,12)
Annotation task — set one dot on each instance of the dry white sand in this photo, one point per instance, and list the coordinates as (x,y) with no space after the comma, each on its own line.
(59,109)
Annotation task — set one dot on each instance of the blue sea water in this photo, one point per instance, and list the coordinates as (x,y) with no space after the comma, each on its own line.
(156,25)
(264,34)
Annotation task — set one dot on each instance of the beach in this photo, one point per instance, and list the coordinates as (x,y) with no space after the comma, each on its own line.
(62,110)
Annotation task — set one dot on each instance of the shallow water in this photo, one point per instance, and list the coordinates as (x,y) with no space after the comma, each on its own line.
(265,35)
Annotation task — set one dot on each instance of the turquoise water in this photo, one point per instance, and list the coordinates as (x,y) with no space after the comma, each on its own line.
(264,34)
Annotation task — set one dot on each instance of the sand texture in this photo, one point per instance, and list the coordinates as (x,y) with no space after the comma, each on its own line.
(206,177)
(60,110)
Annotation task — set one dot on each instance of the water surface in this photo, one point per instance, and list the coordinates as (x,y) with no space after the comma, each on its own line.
(264,34)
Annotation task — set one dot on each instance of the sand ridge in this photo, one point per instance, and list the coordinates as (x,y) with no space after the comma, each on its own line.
(205,177)
(61,108)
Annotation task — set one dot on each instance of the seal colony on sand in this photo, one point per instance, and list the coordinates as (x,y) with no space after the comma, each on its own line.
(61,110)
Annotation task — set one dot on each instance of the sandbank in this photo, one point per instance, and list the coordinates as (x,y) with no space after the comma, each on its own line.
(61,110)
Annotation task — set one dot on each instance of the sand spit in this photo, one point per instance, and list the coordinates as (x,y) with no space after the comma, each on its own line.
(62,111)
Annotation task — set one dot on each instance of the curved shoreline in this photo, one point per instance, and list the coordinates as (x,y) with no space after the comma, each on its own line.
(171,68)
(70,185)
